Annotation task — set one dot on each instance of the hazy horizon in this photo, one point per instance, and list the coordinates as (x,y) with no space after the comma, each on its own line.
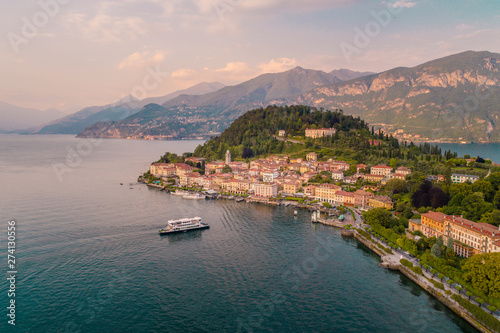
(67,55)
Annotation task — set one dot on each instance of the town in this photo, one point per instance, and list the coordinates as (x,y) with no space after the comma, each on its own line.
(281,177)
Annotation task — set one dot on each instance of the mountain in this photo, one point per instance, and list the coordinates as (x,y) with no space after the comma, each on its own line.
(455,98)
(76,122)
(189,116)
(13,117)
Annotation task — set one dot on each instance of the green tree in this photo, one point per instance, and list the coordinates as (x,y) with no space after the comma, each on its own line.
(494,179)
(227,169)
(483,272)
(496,199)
(474,206)
(484,187)
(436,250)
(492,217)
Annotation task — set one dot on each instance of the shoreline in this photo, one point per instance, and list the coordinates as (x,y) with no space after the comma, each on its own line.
(431,290)
(385,263)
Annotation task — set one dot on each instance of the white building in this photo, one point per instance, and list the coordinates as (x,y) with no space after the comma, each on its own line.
(228,157)
(338,175)
(460,178)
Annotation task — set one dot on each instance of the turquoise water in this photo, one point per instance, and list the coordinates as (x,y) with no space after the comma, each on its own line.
(489,150)
(90,258)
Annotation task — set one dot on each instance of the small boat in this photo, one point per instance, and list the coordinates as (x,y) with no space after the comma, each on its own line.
(194,196)
(181,193)
(295,212)
(240,199)
(183,225)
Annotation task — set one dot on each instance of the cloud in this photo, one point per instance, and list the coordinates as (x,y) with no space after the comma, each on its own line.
(278,65)
(400,4)
(233,72)
(464,26)
(139,60)
(105,28)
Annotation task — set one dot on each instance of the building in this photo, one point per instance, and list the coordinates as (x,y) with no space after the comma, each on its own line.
(433,224)
(326,192)
(182,169)
(189,179)
(320,132)
(266,190)
(291,187)
(162,169)
(415,225)
(403,170)
(310,191)
(228,157)
(312,156)
(268,177)
(469,238)
(281,133)
(362,198)
(383,170)
(461,178)
(361,167)
(338,175)
(344,198)
(381,201)
(374,178)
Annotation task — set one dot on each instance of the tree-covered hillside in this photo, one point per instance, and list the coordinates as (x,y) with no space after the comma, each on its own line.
(253,133)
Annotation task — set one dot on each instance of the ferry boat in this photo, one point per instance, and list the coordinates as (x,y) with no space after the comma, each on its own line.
(184,225)
(194,196)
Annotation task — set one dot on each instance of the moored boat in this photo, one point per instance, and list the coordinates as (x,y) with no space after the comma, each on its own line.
(183,225)
(181,193)
(194,196)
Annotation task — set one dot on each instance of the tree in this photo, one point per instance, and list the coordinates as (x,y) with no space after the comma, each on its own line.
(494,179)
(492,308)
(429,196)
(226,169)
(492,217)
(436,250)
(396,186)
(474,206)
(449,243)
(247,153)
(484,187)
(496,199)
(483,272)
(440,241)
(441,276)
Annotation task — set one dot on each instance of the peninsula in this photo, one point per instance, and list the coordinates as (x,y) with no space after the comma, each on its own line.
(428,213)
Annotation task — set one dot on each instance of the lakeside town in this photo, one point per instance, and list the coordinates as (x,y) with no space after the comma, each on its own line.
(429,214)
(282,178)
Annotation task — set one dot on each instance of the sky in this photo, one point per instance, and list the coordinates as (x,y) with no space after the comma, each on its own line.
(69,54)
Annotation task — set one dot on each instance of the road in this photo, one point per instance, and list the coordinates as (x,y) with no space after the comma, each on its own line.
(279,138)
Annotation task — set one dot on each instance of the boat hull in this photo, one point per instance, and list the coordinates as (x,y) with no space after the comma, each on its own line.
(167,232)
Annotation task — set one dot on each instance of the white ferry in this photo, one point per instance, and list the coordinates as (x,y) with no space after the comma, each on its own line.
(184,225)
(194,196)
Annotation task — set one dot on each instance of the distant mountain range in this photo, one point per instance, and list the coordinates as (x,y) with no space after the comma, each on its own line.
(76,122)
(452,99)
(188,116)
(456,98)
(13,117)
